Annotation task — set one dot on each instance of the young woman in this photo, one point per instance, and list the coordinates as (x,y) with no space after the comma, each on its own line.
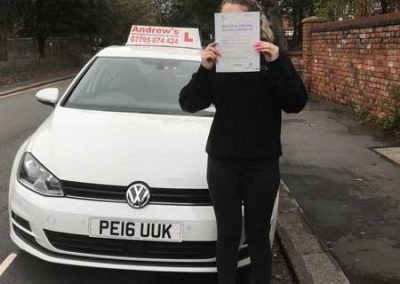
(244,145)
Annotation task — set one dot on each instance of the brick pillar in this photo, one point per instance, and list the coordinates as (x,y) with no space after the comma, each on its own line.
(308,24)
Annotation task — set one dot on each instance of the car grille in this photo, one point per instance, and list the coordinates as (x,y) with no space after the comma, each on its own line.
(177,196)
(131,248)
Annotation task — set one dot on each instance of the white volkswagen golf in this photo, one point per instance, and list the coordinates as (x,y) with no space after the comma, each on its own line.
(115,177)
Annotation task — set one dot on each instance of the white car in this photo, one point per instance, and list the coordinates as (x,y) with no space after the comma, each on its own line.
(115,177)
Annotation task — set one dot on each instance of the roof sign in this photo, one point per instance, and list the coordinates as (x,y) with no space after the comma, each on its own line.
(164,36)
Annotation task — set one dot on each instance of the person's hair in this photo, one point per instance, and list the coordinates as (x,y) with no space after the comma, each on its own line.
(267,33)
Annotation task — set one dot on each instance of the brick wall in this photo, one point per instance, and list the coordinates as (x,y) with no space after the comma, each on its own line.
(354,62)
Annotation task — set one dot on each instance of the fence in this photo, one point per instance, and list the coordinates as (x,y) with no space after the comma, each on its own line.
(27,48)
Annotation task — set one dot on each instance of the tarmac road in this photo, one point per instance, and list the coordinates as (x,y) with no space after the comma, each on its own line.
(20,115)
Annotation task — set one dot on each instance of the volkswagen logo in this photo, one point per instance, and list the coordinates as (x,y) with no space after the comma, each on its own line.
(138,195)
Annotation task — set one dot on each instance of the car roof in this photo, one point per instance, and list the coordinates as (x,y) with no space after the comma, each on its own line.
(151,52)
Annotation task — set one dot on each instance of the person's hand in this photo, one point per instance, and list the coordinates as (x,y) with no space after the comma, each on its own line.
(209,56)
(269,50)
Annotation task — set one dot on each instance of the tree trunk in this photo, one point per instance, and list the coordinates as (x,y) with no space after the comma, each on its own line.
(273,12)
(4,24)
(3,48)
(384,5)
(40,28)
(296,23)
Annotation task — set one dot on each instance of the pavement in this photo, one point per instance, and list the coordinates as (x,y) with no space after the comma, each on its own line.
(27,85)
(309,261)
(349,194)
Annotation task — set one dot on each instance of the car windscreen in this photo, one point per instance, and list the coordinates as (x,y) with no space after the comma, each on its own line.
(134,85)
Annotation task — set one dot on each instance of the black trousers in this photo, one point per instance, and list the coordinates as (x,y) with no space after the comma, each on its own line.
(256,182)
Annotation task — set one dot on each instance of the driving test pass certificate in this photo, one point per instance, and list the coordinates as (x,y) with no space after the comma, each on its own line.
(235,34)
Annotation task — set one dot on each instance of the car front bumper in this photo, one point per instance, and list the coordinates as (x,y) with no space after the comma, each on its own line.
(31,215)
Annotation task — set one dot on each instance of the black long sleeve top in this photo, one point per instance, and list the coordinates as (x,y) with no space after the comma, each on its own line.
(247,121)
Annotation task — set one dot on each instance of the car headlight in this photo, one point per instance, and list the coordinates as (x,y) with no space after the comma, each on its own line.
(37,178)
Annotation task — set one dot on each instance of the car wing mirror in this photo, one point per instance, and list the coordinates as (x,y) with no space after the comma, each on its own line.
(48,96)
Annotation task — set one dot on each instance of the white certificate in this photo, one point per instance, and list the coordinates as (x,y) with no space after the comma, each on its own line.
(235,34)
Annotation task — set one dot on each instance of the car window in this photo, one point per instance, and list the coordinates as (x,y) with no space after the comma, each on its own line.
(134,85)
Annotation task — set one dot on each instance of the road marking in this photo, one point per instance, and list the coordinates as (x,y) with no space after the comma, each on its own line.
(7,262)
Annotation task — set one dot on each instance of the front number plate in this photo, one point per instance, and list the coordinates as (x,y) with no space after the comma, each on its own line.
(136,230)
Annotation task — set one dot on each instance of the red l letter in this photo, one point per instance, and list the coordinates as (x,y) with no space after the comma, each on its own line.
(187,38)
